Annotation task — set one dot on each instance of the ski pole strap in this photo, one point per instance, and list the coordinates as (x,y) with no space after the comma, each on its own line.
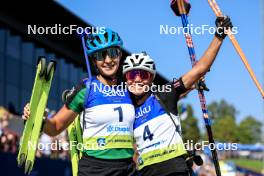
(180,7)
(200,85)
(177,127)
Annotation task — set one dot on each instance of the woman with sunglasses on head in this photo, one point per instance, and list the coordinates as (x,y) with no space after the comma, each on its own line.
(157,130)
(108,114)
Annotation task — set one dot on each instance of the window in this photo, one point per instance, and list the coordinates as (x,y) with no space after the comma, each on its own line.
(38,52)
(12,95)
(27,53)
(73,75)
(2,40)
(53,104)
(82,74)
(27,77)
(71,85)
(63,86)
(12,71)
(64,69)
(13,46)
(2,67)
(59,104)
(1,93)
(51,56)
(25,97)
(54,92)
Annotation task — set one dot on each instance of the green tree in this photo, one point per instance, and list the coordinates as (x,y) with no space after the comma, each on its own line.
(221,109)
(225,129)
(223,117)
(249,131)
(190,129)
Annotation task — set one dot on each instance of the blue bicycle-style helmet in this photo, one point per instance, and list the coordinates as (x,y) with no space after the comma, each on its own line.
(100,41)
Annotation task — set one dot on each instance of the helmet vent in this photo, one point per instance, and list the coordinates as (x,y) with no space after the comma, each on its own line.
(98,39)
(92,43)
(141,60)
(106,36)
(113,37)
(135,64)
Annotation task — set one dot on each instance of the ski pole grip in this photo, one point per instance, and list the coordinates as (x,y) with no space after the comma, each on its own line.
(180,7)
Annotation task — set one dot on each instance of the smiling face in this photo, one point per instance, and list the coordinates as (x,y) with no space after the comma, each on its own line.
(139,81)
(108,66)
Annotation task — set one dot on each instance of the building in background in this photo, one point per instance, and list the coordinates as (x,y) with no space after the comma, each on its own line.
(19,51)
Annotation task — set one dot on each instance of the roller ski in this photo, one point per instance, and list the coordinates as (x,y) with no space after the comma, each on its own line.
(75,138)
(38,102)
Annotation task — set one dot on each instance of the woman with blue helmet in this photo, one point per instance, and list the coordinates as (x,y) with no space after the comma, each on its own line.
(108,113)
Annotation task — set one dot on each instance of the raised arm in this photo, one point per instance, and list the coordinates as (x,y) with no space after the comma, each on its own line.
(204,64)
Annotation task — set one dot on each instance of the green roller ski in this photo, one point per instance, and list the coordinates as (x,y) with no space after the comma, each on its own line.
(75,137)
(38,104)
(39,117)
(79,133)
(35,97)
(72,133)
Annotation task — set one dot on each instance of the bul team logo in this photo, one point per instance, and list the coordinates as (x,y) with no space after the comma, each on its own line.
(101,142)
(140,161)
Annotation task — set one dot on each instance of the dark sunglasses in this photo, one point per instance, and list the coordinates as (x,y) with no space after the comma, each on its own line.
(143,74)
(112,52)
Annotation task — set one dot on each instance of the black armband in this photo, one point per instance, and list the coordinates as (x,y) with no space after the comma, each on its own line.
(179,86)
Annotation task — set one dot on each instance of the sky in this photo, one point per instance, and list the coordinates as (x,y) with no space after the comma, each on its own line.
(138,23)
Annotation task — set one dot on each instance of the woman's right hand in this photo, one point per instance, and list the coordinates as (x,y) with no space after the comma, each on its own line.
(26,112)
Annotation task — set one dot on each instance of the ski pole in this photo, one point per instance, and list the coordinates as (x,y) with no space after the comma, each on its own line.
(74,130)
(235,43)
(88,82)
(181,8)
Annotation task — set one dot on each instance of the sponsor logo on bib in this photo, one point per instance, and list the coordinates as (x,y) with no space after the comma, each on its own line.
(112,128)
(112,92)
(143,111)
(140,161)
(101,142)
